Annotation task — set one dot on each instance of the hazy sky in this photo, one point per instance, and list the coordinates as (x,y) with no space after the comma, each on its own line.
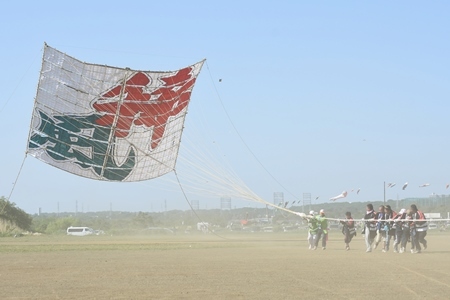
(327,95)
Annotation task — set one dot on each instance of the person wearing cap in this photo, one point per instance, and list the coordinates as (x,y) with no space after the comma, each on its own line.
(397,225)
(370,227)
(313,228)
(348,229)
(323,229)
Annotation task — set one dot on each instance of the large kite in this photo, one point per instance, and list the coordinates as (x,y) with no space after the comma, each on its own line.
(108,123)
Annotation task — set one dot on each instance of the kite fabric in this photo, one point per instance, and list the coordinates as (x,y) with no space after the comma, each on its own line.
(342,195)
(107,123)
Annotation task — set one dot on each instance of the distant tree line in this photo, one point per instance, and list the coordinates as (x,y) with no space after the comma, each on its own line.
(14,219)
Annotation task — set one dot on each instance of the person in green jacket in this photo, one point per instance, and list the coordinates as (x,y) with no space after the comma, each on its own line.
(323,229)
(313,228)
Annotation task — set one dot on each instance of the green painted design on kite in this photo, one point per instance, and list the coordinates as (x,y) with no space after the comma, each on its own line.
(80,140)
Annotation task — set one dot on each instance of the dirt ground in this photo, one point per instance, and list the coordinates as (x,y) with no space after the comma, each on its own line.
(246,266)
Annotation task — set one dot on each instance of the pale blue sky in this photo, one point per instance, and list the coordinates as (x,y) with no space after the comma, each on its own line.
(328,95)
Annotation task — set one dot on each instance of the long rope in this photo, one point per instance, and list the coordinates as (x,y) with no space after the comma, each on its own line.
(229,182)
(303,216)
(242,139)
(14,185)
(18,84)
(189,203)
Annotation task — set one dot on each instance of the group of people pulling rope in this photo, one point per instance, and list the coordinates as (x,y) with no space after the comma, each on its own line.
(408,225)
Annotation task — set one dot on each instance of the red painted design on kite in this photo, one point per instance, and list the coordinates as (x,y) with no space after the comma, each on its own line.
(145,108)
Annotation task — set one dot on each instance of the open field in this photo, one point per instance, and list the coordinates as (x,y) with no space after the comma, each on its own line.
(243,266)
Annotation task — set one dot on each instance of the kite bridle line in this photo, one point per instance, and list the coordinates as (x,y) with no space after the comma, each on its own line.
(29,135)
(26,153)
(192,209)
(182,127)
(17,86)
(14,185)
(74,69)
(242,139)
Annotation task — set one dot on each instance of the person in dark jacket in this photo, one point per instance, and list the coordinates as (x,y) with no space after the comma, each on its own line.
(348,229)
(406,235)
(370,227)
(419,227)
(380,226)
(388,231)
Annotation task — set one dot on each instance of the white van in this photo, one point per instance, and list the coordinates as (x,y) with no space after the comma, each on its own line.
(432,226)
(80,231)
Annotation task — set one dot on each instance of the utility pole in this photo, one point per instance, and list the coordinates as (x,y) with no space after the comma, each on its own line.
(384,188)
(306,200)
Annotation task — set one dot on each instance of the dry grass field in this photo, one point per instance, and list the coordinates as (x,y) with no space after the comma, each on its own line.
(242,266)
